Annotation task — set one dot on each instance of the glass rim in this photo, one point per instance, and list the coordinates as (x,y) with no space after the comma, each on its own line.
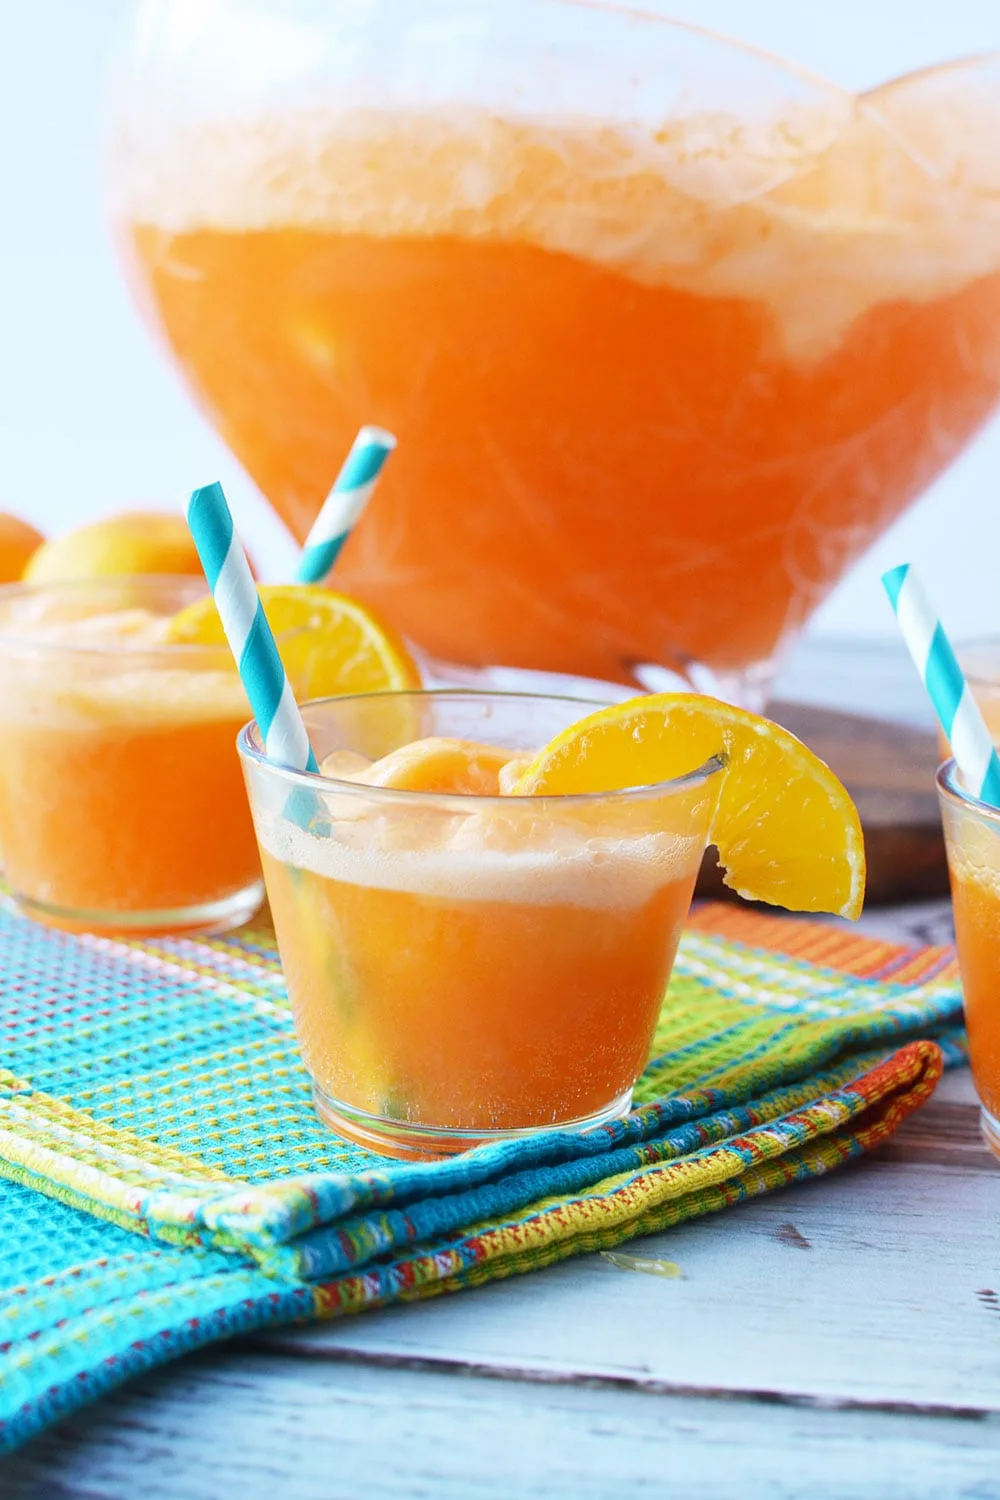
(638,12)
(950,789)
(250,749)
(152,584)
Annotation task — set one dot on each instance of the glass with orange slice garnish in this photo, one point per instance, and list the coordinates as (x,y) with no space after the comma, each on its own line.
(476,935)
(122,807)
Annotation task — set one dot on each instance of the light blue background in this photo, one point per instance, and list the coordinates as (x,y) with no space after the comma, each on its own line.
(93,419)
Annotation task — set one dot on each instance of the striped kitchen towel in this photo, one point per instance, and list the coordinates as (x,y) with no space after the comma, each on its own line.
(164,1181)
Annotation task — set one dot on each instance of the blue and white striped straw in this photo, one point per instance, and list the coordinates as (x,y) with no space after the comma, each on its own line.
(247,631)
(957,710)
(343,506)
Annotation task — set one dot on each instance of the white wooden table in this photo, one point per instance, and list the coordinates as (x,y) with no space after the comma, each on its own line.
(841,1338)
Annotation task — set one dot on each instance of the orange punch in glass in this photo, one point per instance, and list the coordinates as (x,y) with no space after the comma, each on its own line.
(462,965)
(972,836)
(121,803)
(477,942)
(668,331)
(122,806)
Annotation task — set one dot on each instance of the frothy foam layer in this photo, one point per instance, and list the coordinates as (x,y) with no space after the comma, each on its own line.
(820,216)
(46,620)
(594,872)
(974,856)
(120,675)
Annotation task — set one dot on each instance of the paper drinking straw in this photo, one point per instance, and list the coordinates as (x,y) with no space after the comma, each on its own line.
(247,631)
(958,712)
(343,506)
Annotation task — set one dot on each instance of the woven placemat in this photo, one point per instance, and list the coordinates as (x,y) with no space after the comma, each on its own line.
(164,1181)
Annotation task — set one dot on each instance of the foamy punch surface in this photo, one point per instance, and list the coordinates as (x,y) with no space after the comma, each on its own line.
(573,871)
(974,855)
(819,216)
(116,670)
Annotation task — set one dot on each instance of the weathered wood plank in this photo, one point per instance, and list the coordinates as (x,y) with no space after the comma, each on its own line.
(255,1427)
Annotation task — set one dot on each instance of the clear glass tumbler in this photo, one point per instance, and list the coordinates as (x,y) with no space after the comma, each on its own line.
(467,968)
(972,836)
(122,808)
(668,330)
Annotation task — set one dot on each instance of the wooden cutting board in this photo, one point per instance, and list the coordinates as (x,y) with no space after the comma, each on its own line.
(889,771)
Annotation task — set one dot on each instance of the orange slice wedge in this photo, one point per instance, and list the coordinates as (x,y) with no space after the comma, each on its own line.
(329,644)
(786,830)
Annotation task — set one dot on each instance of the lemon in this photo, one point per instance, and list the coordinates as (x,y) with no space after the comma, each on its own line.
(133,543)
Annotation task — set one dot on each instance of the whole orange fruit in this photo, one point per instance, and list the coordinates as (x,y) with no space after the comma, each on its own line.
(18,541)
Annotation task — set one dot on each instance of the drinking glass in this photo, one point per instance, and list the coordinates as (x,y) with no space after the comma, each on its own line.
(669,331)
(972,836)
(122,808)
(467,968)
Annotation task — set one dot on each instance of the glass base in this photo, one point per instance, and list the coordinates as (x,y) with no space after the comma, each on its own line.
(990,1127)
(184,921)
(409,1142)
(747,688)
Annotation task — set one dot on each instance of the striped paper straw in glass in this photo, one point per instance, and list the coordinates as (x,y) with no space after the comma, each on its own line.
(343,506)
(957,711)
(247,631)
